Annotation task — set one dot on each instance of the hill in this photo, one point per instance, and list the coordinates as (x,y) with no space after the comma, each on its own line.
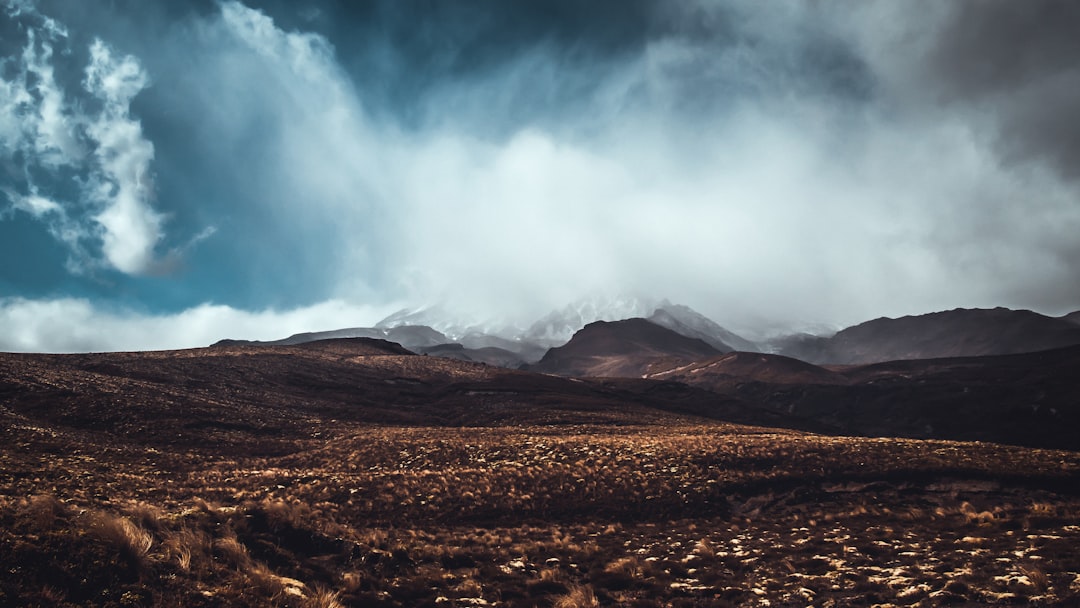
(626,348)
(412,337)
(271,393)
(1025,399)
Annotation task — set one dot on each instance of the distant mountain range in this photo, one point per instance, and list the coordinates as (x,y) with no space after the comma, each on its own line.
(953,333)
(433,331)
(974,379)
(590,338)
(991,375)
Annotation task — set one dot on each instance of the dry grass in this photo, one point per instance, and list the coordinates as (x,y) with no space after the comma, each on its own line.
(131,540)
(258,477)
(324,598)
(580,596)
(680,515)
(232,552)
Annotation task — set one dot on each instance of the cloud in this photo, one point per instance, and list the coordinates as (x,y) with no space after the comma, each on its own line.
(78,325)
(122,187)
(85,172)
(803,162)
(33,204)
(757,163)
(1007,67)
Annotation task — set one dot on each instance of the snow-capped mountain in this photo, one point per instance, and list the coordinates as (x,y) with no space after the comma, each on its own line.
(455,326)
(559,326)
(424,328)
(692,324)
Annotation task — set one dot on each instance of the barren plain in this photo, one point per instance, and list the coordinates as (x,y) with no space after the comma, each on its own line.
(348,473)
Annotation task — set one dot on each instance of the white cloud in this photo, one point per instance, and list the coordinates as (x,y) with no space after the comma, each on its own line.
(122,187)
(76,325)
(33,204)
(49,131)
(54,139)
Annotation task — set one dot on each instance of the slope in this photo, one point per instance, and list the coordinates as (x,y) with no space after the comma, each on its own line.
(953,333)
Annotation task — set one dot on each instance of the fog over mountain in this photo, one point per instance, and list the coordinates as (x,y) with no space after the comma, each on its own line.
(176,173)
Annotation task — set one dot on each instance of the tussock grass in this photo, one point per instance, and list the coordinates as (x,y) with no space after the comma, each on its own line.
(685,514)
(324,598)
(579,596)
(131,540)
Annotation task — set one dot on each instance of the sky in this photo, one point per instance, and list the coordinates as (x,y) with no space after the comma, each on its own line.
(173,173)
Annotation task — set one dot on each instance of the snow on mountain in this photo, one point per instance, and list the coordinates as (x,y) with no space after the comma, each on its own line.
(692,324)
(559,326)
(454,325)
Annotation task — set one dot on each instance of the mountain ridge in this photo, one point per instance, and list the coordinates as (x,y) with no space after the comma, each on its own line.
(951,333)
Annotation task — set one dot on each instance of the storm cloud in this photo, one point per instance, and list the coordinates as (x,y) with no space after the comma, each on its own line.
(766,164)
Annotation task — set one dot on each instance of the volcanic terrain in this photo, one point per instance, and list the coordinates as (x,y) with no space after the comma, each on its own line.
(351,472)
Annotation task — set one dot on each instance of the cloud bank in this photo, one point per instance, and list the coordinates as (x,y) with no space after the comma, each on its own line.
(765,164)
(67,325)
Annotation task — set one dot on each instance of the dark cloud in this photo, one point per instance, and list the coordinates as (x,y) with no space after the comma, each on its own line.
(1020,61)
(994,46)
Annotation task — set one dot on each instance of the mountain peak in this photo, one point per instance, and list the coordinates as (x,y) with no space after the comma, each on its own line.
(559,326)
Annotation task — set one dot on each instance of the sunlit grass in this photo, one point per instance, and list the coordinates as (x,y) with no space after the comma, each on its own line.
(545,516)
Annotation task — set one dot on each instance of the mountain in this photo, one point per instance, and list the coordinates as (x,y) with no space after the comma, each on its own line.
(559,326)
(528,352)
(474,334)
(455,325)
(556,328)
(627,348)
(954,333)
(1072,317)
(688,322)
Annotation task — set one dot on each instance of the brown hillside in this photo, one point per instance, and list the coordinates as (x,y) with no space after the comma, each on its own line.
(953,333)
(628,348)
